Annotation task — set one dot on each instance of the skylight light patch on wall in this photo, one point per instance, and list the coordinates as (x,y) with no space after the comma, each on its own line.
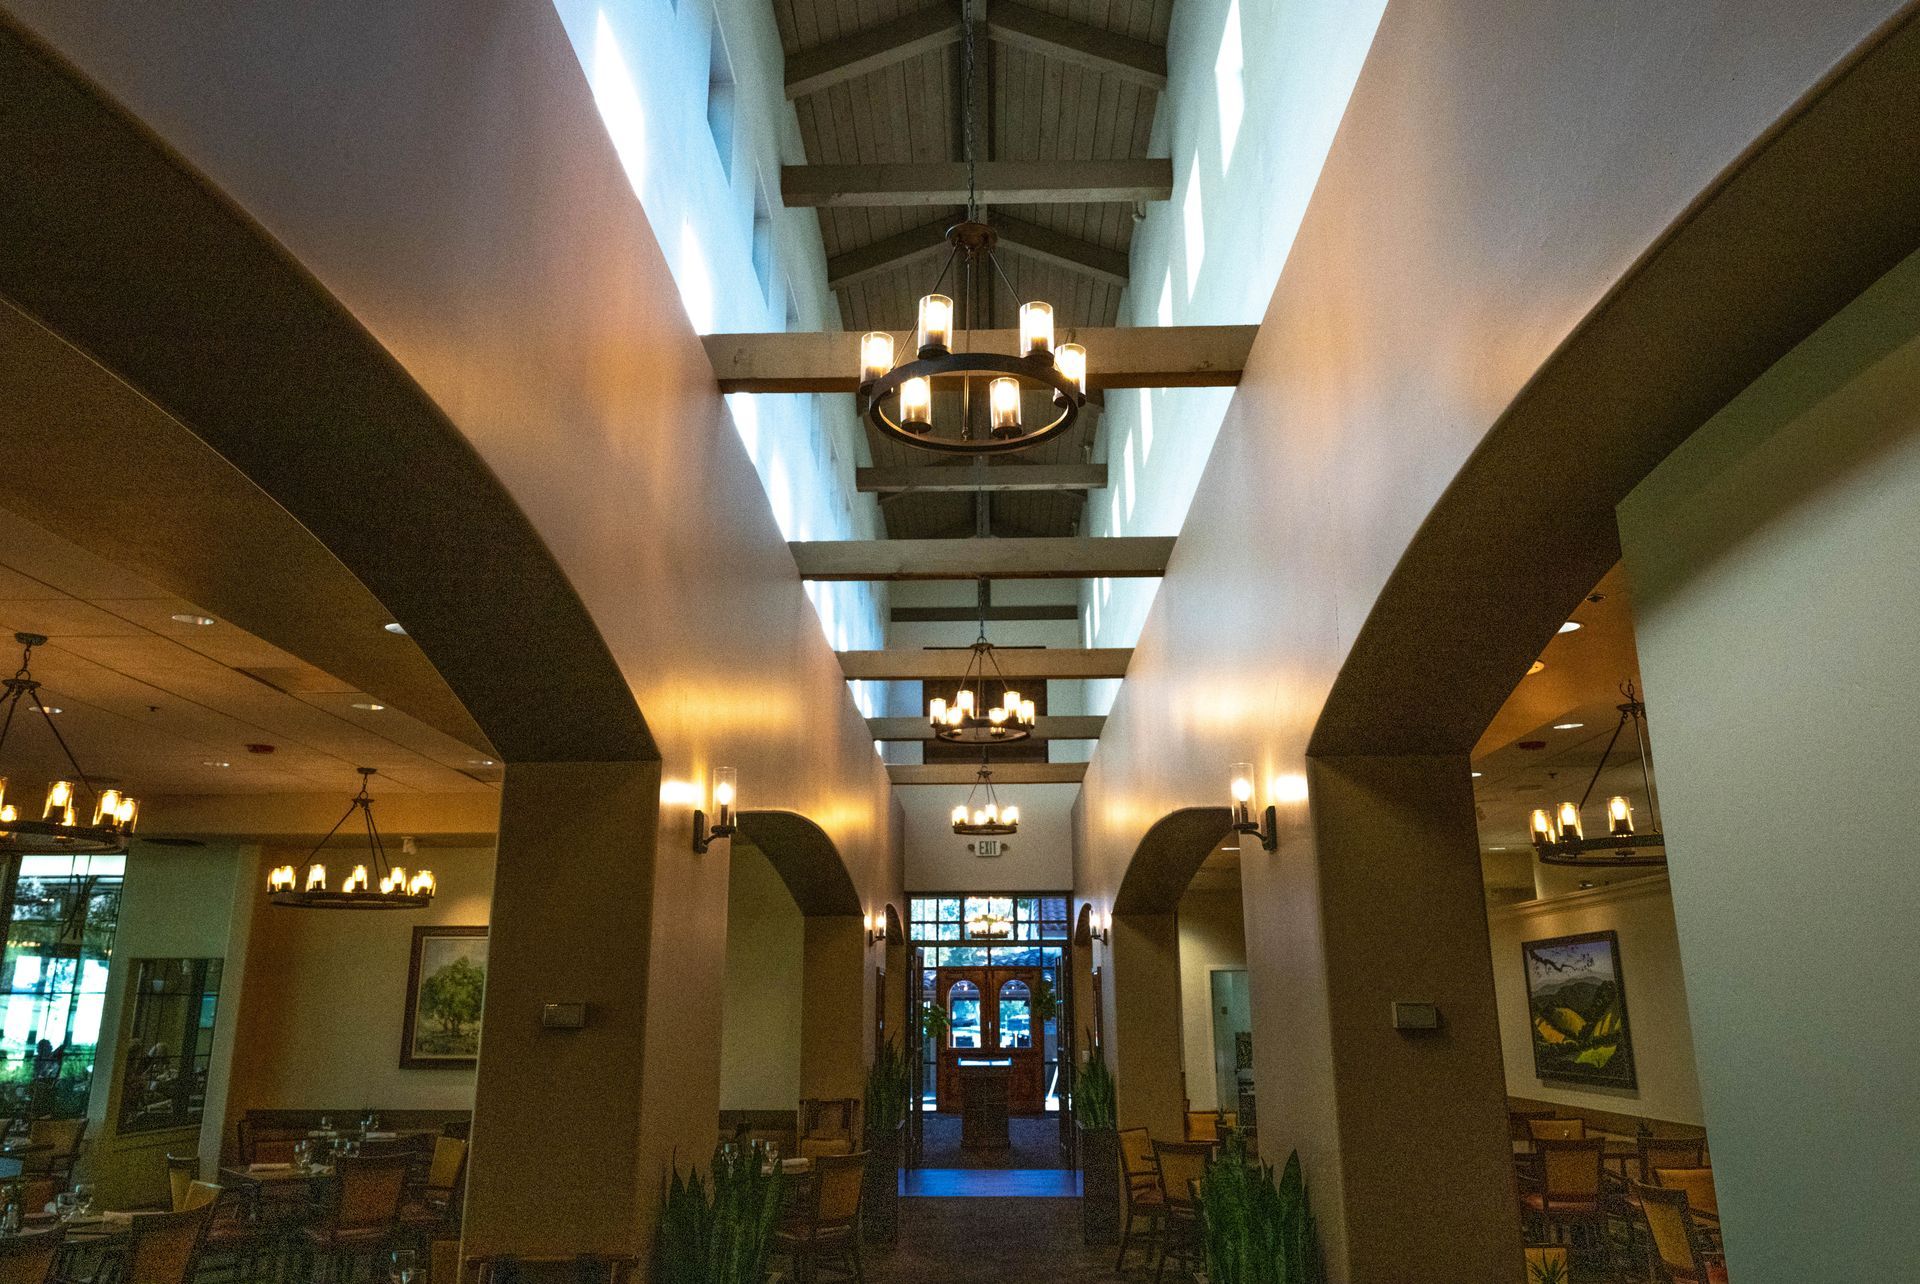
(694,279)
(615,94)
(1193,226)
(1230,85)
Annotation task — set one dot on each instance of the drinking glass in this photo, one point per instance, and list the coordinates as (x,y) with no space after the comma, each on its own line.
(64,1204)
(82,1198)
(303,1155)
(326,1123)
(403,1266)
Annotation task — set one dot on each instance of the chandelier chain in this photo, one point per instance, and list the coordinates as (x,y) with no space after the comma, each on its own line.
(966,27)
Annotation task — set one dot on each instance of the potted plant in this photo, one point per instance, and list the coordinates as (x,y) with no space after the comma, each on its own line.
(886,1116)
(718,1232)
(1547,1264)
(1256,1230)
(934,1022)
(1099,1137)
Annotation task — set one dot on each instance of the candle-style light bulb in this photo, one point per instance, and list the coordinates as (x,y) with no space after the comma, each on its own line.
(1542,827)
(965,700)
(937,710)
(936,324)
(1026,712)
(316,877)
(1619,816)
(960,814)
(1004,403)
(726,789)
(1570,822)
(1036,328)
(1070,359)
(59,802)
(916,404)
(1010,815)
(106,808)
(876,355)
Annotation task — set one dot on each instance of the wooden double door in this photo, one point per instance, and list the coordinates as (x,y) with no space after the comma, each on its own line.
(990,1020)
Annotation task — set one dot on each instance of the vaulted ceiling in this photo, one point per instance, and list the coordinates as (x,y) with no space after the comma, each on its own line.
(1069,82)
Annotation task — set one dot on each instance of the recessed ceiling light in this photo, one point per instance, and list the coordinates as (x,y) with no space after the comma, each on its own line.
(188,617)
(215,762)
(368,705)
(395,627)
(1585,884)
(1478,774)
(53,708)
(1568,726)
(1571,626)
(1496,849)
(482,762)
(1229,849)
(1537,666)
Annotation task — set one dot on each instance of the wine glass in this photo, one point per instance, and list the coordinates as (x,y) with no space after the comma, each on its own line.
(303,1155)
(404,1264)
(64,1204)
(82,1198)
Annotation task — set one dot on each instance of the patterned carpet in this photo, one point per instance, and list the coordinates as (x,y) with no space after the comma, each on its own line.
(1036,1144)
(990,1241)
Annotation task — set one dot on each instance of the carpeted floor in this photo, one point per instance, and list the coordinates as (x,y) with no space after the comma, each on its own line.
(1036,1144)
(990,1241)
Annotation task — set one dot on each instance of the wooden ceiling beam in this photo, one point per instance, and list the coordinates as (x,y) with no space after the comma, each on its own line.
(855,266)
(894,41)
(1044,728)
(1005,773)
(1082,182)
(1185,356)
(999,614)
(1044,558)
(1082,45)
(976,477)
(1045,245)
(1023,664)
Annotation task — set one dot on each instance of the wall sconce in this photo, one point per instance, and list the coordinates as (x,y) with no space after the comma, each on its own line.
(1100,927)
(726,788)
(1267,828)
(876,928)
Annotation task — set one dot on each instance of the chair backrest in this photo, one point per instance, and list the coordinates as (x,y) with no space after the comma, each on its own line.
(583,1269)
(1518,1121)
(449,1162)
(828,1117)
(64,1135)
(28,1259)
(1670,1228)
(200,1194)
(1571,1169)
(182,1172)
(821,1147)
(163,1247)
(1180,1165)
(1697,1182)
(1136,1154)
(1671,1152)
(1202,1125)
(1557,1129)
(367,1190)
(837,1183)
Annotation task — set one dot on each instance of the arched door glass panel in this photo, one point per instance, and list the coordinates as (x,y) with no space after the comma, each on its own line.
(963,1014)
(1016,1015)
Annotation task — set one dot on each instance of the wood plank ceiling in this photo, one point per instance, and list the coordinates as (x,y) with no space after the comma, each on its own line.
(1037,106)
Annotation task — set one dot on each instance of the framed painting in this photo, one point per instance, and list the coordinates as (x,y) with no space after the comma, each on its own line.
(446,985)
(1578,1009)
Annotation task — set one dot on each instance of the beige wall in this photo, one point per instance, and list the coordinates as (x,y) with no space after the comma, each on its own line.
(1213,936)
(1641,912)
(1037,859)
(325,996)
(1776,613)
(760,1024)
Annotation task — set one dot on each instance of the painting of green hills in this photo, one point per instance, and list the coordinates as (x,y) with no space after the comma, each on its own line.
(1578,1007)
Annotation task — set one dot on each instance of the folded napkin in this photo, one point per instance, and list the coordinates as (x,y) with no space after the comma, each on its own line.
(796,1165)
(269,1168)
(381,1136)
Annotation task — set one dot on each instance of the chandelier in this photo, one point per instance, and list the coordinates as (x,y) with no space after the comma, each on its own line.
(985,923)
(58,831)
(898,399)
(972,718)
(1559,836)
(985,816)
(395,890)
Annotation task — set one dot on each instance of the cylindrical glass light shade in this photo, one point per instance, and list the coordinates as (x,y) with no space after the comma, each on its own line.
(1619,816)
(997,714)
(937,711)
(1026,711)
(281,880)
(1542,826)
(1570,822)
(916,404)
(316,877)
(1004,401)
(128,812)
(1010,701)
(8,814)
(1010,815)
(726,789)
(106,808)
(1070,359)
(876,355)
(356,881)
(960,814)
(964,700)
(936,322)
(1036,328)
(1240,786)
(422,884)
(59,808)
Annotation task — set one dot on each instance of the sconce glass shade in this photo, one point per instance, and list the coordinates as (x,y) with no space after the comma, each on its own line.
(726,793)
(1240,788)
(935,331)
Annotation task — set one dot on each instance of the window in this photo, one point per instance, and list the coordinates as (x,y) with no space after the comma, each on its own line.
(721,108)
(963,1015)
(61,914)
(1016,1015)
(170,1043)
(988,918)
(763,249)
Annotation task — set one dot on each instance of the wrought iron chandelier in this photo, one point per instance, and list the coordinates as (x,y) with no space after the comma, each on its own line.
(986,924)
(1559,837)
(985,816)
(372,885)
(973,718)
(58,831)
(898,399)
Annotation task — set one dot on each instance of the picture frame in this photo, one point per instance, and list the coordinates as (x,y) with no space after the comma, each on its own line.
(1577,1010)
(445,999)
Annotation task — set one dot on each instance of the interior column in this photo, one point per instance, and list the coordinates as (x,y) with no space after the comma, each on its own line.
(1402,1132)
(1142,987)
(834,1022)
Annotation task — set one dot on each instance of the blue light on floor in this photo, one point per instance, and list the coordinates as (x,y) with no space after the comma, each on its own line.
(989,1183)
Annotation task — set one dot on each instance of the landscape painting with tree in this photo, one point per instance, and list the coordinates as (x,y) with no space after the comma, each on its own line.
(446,983)
(1578,1007)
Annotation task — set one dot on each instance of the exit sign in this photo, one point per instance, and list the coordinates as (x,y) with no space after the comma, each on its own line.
(987,847)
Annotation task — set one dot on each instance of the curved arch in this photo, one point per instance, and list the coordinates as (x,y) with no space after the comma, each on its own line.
(113,244)
(1170,853)
(1824,205)
(896,930)
(806,859)
(1083,925)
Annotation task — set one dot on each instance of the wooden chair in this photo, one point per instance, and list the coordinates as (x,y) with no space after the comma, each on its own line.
(1140,1179)
(29,1258)
(233,1238)
(583,1268)
(182,1172)
(63,1138)
(1207,1125)
(1702,1200)
(1180,1166)
(164,1248)
(1670,1152)
(827,1228)
(1557,1129)
(1677,1254)
(1568,1188)
(363,1215)
(827,1126)
(433,1204)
